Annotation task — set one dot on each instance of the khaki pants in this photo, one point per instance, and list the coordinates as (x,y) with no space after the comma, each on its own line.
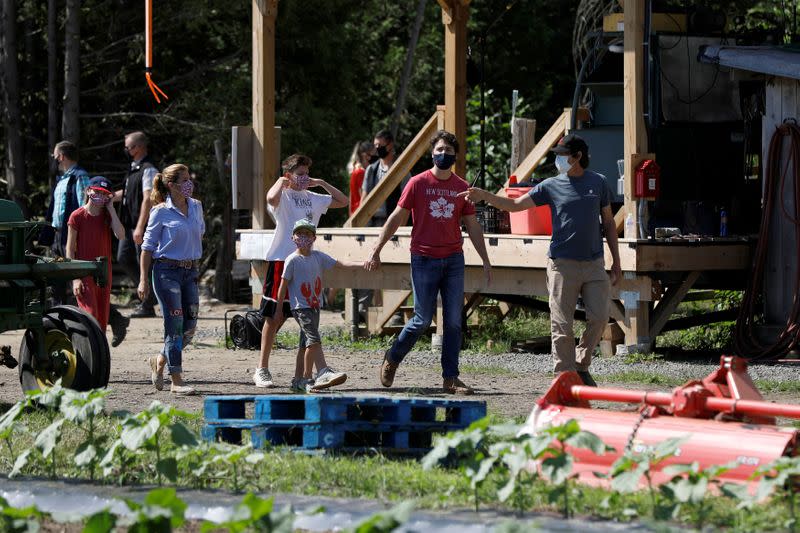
(566,280)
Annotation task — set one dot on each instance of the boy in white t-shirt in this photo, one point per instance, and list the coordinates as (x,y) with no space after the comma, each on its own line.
(302,278)
(288,201)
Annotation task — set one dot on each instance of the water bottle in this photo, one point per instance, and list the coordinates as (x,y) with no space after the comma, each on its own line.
(629,227)
(723,223)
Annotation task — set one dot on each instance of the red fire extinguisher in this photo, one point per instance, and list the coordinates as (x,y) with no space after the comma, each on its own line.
(647,182)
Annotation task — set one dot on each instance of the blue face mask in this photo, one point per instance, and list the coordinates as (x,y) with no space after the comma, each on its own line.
(562,163)
(444,161)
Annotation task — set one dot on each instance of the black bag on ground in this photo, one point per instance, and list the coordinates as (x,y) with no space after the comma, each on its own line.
(245,330)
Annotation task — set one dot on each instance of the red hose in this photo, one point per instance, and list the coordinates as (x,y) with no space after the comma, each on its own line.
(746,342)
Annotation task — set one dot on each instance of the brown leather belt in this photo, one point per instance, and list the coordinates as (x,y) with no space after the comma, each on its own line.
(185,263)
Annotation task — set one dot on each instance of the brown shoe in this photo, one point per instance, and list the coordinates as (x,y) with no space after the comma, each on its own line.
(456,386)
(387,371)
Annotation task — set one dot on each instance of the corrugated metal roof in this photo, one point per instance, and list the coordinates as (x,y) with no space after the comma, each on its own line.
(772,60)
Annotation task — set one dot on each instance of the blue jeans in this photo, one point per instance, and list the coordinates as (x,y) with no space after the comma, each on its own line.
(176,290)
(429,277)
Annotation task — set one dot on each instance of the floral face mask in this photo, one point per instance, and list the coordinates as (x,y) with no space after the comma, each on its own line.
(301,181)
(303,241)
(187,188)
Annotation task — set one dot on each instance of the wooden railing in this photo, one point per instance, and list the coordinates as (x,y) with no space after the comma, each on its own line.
(418,147)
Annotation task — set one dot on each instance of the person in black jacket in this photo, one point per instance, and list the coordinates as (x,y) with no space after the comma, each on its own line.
(135,211)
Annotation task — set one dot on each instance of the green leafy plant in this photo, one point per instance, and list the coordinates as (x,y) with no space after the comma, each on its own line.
(100,522)
(234,457)
(255,514)
(144,431)
(161,511)
(628,470)
(47,442)
(10,427)
(778,478)
(516,457)
(690,485)
(387,521)
(470,449)
(82,409)
(557,464)
(19,520)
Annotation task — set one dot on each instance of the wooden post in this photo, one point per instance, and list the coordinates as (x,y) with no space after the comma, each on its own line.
(540,149)
(635,130)
(523,133)
(265,154)
(454,17)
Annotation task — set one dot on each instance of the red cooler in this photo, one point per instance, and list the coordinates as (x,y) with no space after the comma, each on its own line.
(535,221)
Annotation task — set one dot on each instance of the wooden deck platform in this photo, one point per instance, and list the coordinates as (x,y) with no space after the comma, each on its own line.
(657,274)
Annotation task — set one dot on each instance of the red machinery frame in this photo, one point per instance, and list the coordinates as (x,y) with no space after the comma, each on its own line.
(723,417)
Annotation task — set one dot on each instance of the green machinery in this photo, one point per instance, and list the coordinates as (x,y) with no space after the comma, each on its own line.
(62,342)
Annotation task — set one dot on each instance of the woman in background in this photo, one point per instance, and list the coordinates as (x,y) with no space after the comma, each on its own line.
(363,155)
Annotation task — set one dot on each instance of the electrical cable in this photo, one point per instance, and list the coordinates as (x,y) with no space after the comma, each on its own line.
(745,340)
(148,51)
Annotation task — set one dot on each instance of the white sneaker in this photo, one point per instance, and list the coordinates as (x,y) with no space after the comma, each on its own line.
(328,377)
(263,378)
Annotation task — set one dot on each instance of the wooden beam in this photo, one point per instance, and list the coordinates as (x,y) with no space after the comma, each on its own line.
(419,146)
(265,154)
(531,161)
(667,305)
(635,133)
(678,257)
(455,76)
(711,317)
(392,301)
(619,219)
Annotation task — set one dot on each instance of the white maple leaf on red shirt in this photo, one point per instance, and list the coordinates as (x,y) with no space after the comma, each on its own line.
(441,208)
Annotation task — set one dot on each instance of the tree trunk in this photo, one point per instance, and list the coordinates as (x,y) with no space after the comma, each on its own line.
(394,124)
(15,149)
(70,126)
(223,280)
(52,96)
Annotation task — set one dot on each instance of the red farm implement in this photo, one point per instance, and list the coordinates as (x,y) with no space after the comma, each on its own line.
(723,418)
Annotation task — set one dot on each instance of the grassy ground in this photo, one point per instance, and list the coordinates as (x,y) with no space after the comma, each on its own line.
(371,476)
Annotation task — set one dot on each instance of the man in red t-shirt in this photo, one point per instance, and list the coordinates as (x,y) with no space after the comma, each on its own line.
(89,237)
(437,259)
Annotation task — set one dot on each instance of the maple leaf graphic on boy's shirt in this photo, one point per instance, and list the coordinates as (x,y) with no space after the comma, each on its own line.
(441,208)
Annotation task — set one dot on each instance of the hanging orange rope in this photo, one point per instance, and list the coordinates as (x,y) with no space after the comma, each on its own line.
(148,50)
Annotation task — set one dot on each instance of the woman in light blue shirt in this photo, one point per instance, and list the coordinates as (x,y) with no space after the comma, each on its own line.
(173,245)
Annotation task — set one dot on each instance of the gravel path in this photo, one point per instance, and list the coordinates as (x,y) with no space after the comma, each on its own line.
(509,383)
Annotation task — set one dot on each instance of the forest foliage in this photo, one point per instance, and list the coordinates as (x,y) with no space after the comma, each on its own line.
(338,65)
(337,77)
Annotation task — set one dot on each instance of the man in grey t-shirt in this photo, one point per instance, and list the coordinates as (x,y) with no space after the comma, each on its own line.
(580,207)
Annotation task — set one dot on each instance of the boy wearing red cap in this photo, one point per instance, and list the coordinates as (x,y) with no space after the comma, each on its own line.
(89,237)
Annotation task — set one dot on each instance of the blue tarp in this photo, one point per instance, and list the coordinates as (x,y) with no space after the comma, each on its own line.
(763,59)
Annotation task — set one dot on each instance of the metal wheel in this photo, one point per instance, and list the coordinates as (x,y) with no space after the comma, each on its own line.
(77,349)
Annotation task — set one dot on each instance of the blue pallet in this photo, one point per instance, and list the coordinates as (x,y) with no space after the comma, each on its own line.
(326,436)
(338,422)
(322,409)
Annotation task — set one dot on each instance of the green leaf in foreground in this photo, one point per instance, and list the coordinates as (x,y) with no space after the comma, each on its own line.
(255,514)
(101,522)
(387,521)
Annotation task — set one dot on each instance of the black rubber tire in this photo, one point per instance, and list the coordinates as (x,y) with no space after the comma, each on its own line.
(93,361)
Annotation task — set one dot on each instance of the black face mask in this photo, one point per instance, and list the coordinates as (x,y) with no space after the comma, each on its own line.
(373,158)
(382,151)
